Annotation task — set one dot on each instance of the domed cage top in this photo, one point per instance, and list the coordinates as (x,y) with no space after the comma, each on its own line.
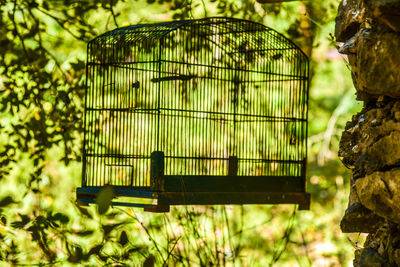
(209,111)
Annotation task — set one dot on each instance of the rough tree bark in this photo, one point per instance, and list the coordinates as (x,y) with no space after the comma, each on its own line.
(370,144)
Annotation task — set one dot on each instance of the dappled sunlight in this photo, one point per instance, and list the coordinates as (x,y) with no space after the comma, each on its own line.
(42,87)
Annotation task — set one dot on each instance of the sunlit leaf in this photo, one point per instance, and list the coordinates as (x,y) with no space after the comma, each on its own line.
(104,199)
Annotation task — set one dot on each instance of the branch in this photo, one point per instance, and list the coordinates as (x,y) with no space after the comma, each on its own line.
(40,42)
(59,23)
(18,34)
(113,14)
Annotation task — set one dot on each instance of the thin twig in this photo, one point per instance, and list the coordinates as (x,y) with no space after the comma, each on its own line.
(286,237)
(60,23)
(147,232)
(40,42)
(229,234)
(113,14)
(18,34)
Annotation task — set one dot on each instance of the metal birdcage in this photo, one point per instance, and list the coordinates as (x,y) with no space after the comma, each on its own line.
(208,111)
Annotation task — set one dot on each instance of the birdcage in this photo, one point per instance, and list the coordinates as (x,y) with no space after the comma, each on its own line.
(195,112)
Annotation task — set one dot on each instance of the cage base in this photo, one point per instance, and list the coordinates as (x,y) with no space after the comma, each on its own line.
(232,183)
(90,192)
(234,198)
(166,199)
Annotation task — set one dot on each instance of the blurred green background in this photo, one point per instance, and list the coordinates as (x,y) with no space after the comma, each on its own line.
(42,74)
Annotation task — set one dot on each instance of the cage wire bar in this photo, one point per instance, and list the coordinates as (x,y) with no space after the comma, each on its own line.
(209,111)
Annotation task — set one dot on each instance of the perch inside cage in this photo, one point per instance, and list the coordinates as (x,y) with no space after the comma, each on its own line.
(209,111)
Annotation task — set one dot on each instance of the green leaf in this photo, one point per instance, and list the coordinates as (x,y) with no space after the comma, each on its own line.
(123,238)
(61,218)
(7,201)
(21,224)
(84,211)
(108,228)
(78,253)
(95,250)
(136,249)
(79,65)
(84,233)
(149,262)
(104,198)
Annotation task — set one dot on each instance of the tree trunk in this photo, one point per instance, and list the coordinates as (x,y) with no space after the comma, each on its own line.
(370,144)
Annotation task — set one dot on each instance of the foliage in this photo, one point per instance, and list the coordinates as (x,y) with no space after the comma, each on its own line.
(42,73)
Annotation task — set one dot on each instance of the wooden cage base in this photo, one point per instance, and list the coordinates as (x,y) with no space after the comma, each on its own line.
(164,200)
